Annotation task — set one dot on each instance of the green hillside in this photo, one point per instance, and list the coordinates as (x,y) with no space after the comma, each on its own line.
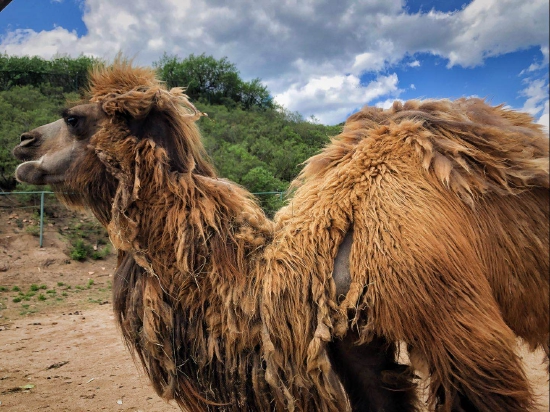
(250,139)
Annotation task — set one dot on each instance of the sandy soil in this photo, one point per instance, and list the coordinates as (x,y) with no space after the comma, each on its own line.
(63,352)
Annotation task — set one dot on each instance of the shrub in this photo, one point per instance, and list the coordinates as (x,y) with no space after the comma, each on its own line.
(100,253)
(79,250)
(33,230)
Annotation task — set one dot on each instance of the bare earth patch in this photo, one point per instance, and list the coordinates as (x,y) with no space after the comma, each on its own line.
(63,352)
(71,362)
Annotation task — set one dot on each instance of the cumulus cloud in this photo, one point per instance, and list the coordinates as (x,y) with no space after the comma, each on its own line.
(45,43)
(386,104)
(537,102)
(331,99)
(290,45)
(536,91)
(537,94)
(493,27)
(544,118)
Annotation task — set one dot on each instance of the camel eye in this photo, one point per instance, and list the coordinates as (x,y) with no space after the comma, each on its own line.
(72,121)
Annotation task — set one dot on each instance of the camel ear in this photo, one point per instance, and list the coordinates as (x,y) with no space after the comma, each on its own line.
(150,126)
(155,127)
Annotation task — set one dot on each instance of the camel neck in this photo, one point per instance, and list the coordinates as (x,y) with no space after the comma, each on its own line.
(185,224)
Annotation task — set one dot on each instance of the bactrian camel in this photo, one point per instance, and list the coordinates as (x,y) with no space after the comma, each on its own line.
(425,224)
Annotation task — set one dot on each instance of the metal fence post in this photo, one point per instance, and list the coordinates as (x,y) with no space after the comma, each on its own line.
(41,217)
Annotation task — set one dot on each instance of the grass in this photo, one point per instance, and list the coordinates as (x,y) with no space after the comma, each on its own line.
(34,287)
(87,239)
(100,253)
(28,311)
(33,230)
(30,299)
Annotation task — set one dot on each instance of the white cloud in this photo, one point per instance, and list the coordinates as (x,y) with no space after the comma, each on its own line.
(536,91)
(492,27)
(537,103)
(356,35)
(331,99)
(386,104)
(544,117)
(292,44)
(45,43)
(537,94)
(368,61)
(539,64)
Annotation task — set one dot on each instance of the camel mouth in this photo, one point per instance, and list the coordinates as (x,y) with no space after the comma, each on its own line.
(19,153)
(24,152)
(32,173)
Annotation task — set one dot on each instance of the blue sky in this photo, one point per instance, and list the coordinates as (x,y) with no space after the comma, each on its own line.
(320,58)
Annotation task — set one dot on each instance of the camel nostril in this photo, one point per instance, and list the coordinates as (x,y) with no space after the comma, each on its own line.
(27,138)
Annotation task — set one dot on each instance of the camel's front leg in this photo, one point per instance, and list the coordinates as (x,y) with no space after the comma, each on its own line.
(372,378)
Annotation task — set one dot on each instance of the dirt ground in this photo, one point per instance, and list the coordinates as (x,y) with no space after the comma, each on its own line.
(59,347)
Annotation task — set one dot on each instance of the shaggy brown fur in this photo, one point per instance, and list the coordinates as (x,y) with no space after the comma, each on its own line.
(442,197)
(448,203)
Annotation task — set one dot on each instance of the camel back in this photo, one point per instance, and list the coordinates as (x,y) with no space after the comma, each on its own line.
(471,147)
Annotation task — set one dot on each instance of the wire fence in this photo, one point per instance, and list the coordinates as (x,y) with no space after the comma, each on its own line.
(40,214)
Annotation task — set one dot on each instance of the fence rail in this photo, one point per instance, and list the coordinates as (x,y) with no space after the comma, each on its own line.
(37,200)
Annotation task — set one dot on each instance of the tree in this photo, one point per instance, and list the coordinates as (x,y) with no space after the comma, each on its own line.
(262,150)
(213,81)
(61,73)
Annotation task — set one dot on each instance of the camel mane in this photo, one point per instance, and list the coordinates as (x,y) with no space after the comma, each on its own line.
(189,247)
(135,92)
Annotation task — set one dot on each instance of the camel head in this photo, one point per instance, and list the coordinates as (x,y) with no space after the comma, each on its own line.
(51,152)
(84,154)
